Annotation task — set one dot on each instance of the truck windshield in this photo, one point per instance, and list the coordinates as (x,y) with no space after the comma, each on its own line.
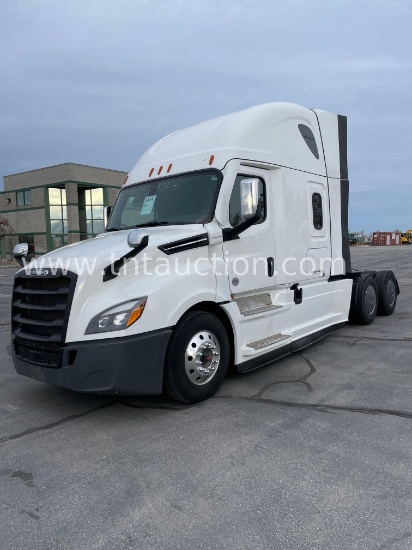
(176,200)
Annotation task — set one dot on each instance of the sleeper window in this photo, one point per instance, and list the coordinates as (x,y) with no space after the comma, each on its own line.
(235,217)
(309,138)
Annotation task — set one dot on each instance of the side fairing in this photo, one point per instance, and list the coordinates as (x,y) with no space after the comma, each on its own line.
(333,129)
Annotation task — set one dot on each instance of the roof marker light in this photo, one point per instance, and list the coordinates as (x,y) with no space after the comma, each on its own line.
(125,180)
(151,172)
(169,168)
(212,158)
(160,169)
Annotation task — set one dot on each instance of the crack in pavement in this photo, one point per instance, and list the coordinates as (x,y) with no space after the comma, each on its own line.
(72,417)
(257,397)
(325,407)
(254,398)
(301,380)
(319,344)
(178,407)
(356,340)
(30,431)
(375,339)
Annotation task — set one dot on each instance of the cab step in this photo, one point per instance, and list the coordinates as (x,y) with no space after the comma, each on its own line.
(252,305)
(260,309)
(268,341)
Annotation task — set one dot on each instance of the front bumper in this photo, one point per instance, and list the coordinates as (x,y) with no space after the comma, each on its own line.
(132,365)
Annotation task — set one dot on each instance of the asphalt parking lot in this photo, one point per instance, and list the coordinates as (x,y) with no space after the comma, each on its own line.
(312,452)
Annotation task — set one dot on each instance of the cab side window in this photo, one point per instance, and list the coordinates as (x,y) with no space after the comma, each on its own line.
(235,216)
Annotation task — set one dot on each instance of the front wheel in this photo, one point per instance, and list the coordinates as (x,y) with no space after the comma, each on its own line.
(197,358)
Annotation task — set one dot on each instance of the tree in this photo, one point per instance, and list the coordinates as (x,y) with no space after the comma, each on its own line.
(5,227)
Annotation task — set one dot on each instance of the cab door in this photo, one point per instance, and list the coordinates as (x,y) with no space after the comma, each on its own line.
(250,257)
(318,254)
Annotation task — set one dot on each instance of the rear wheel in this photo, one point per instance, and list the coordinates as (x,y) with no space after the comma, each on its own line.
(197,358)
(363,311)
(387,292)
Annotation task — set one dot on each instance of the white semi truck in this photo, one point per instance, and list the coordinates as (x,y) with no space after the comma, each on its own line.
(227,245)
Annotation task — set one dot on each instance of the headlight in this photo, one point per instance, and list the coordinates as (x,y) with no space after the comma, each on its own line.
(118,317)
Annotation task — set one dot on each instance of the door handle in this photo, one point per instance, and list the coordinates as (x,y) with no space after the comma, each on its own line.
(271,267)
(297,293)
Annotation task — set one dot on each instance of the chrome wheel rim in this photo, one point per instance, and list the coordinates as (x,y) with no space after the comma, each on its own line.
(202,357)
(390,293)
(370,299)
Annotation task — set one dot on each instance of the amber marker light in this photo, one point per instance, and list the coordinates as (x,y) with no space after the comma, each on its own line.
(169,168)
(151,172)
(212,158)
(159,171)
(125,179)
(136,312)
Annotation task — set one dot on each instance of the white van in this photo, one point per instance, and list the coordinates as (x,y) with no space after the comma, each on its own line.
(227,245)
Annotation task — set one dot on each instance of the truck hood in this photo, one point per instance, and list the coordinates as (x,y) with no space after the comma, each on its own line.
(107,247)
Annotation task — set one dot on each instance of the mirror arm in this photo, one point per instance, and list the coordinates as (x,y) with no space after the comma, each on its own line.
(230,233)
(112,270)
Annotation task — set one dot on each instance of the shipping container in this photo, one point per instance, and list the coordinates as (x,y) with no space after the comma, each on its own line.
(386,238)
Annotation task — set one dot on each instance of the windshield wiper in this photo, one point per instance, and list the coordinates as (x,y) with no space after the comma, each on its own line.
(147,224)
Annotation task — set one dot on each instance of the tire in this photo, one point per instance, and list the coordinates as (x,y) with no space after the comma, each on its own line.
(194,377)
(364,309)
(369,273)
(387,292)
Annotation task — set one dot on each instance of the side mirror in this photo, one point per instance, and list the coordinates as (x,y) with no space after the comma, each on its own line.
(136,238)
(106,215)
(19,252)
(249,208)
(249,197)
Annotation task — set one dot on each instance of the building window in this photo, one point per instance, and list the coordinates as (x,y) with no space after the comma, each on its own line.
(58,215)
(91,212)
(317,211)
(23,198)
(235,217)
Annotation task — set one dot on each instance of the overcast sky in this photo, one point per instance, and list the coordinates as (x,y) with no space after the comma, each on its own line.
(97,81)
